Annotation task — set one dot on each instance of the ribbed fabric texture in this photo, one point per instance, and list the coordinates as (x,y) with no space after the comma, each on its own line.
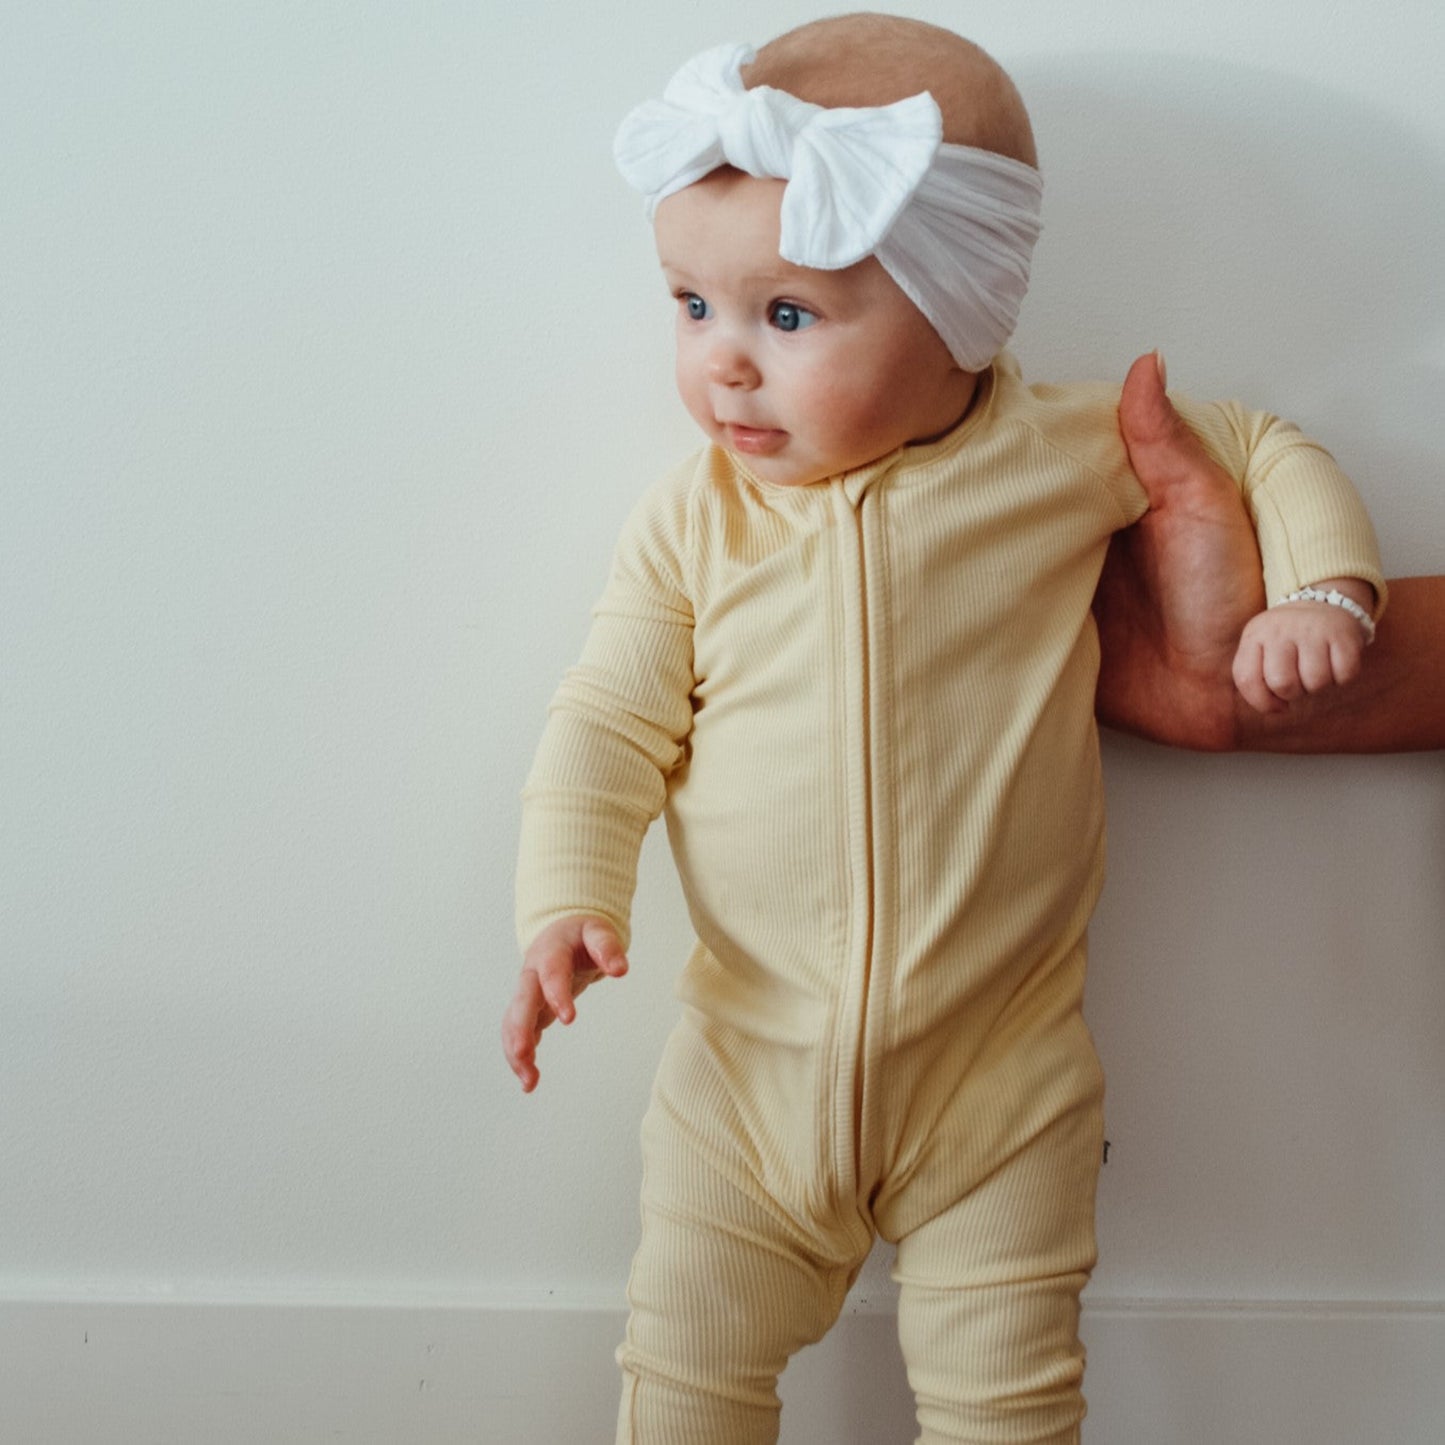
(989,540)
(750,1241)
(867,706)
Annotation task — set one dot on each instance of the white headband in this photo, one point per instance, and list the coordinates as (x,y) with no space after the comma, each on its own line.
(954,226)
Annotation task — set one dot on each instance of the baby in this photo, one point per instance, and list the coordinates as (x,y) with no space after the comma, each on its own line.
(848,648)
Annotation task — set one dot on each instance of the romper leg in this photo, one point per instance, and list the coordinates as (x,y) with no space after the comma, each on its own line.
(727,1283)
(988,1312)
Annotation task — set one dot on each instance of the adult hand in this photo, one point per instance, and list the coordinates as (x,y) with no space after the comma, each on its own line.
(1178,586)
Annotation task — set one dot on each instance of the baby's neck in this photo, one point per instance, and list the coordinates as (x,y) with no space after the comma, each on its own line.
(962,406)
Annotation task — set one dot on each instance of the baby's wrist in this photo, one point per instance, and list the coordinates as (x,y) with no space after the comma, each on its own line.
(1337,593)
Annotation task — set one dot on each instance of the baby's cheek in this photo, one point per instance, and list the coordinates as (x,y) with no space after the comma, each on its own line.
(851,414)
(694,398)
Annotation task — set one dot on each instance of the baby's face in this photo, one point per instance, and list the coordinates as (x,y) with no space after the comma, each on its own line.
(805,374)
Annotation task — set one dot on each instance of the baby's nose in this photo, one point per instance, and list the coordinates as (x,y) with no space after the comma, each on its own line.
(729,364)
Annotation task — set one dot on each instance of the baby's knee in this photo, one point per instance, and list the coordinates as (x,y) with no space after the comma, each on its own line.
(996,1363)
(717,1312)
(664,1402)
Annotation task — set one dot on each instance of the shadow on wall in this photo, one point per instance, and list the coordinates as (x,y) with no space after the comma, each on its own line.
(1277,240)
(1258,216)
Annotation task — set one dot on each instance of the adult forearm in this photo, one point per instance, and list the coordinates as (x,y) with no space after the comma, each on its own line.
(1396,705)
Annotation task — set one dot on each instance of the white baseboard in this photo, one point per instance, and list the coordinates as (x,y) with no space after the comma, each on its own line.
(257,1372)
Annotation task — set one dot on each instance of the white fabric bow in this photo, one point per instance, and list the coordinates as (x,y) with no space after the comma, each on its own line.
(954,226)
(851,171)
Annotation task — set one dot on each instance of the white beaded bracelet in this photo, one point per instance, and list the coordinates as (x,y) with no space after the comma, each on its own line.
(1335,599)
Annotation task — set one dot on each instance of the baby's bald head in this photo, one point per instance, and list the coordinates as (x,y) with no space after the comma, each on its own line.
(867,60)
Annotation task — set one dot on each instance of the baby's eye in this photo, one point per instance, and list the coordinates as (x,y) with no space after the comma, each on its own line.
(697,309)
(789,316)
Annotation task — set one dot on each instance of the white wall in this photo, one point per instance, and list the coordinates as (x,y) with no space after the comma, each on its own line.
(331,356)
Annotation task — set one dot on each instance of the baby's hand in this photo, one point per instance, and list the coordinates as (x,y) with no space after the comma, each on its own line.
(564,958)
(1301,647)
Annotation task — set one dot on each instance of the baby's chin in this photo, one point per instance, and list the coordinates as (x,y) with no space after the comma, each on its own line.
(776,457)
(779,471)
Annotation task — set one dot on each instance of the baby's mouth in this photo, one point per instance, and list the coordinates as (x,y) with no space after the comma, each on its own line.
(754,441)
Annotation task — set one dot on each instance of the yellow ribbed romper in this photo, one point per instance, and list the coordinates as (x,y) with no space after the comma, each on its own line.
(867,706)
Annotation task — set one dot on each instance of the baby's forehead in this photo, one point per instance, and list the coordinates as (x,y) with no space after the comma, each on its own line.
(727,227)
(725,217)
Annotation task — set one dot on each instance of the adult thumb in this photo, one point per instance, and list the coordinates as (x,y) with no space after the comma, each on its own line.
(1161,447)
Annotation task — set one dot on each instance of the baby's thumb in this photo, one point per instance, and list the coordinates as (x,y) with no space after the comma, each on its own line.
(604,947)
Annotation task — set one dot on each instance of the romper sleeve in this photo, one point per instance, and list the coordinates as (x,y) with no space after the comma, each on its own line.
(616,729)
(1308,517)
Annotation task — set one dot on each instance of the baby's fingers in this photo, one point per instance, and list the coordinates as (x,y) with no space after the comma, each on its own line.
(563,959)
(553,968)
(571,955)
(1288,651)
(1282,670)
(1316,666)
(1329,656)
(1347,658)
(1250,677)
(522,1026)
